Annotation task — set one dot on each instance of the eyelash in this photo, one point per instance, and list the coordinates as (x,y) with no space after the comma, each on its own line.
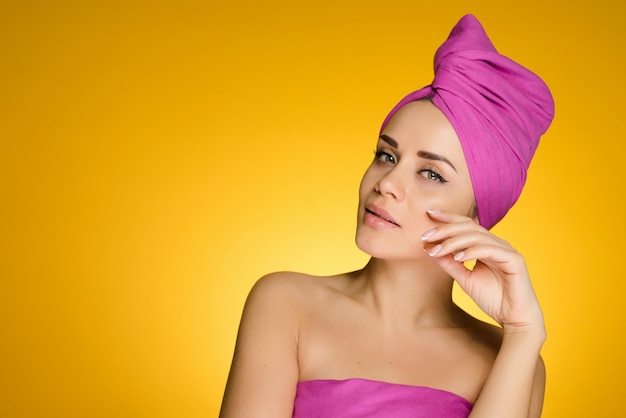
(437,177)
(379,154)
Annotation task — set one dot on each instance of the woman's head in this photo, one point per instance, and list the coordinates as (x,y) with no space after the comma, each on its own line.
(418,165)
(498,110)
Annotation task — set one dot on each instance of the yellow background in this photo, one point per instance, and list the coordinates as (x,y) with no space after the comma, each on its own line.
(157,157)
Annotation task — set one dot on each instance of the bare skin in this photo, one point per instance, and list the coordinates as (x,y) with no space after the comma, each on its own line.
(394,320)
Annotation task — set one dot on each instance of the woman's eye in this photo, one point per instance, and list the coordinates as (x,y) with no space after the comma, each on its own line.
(384,157)
(432,175)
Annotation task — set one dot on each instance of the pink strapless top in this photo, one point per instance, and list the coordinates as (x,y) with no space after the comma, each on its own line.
(355,398)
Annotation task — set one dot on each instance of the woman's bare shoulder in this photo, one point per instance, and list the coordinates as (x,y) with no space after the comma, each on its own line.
(291,281)
(264,370)
(294,289)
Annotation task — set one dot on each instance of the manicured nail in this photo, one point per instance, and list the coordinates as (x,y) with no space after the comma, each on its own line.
(428,234)
(459,256)
(434,250)
(433,211)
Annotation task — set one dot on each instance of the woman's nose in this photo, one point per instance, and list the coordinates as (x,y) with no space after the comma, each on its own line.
(391,185)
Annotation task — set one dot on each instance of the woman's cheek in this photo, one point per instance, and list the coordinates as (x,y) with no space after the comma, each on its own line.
(420,215)
(459,201)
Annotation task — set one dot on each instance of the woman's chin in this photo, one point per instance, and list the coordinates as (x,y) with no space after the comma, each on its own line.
(385,250)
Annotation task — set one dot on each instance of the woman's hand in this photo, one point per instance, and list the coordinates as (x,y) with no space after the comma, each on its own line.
(499,282)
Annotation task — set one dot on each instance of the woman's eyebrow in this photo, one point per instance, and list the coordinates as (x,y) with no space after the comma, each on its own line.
(437,157)
(424,154)
(389,140)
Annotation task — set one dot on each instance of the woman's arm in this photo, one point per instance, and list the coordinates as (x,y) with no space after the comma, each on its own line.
(500,285)
(264,372)
(516,383)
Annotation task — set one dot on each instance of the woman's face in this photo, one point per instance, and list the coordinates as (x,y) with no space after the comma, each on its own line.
(418,165)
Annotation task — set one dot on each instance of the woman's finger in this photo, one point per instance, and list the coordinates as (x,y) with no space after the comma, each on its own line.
(507,260)
(447,217)
(451,243)
(450,224)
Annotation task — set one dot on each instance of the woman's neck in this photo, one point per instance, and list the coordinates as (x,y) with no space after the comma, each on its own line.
(409,293)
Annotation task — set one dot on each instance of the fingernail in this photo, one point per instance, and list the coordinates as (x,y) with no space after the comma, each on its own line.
(428,234)
(433,211)
(458,256)
(434,250)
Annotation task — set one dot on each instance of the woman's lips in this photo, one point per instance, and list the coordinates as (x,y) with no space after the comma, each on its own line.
(379,218)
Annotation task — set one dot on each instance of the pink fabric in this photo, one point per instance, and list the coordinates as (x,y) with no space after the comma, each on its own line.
(498,109)
(356,398)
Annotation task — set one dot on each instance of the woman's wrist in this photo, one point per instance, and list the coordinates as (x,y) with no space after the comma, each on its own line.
(531,335)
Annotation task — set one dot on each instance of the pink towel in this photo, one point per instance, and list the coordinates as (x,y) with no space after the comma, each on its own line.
(498,109)
(355,398)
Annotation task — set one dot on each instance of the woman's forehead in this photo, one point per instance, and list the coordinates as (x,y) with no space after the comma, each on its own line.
(421,123)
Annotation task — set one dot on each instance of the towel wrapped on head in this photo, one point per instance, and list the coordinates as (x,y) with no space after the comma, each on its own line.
(497,107)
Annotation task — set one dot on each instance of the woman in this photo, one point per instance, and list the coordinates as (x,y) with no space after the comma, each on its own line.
(387,340)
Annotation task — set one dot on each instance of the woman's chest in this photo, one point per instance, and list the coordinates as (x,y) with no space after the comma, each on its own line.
(344,348)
